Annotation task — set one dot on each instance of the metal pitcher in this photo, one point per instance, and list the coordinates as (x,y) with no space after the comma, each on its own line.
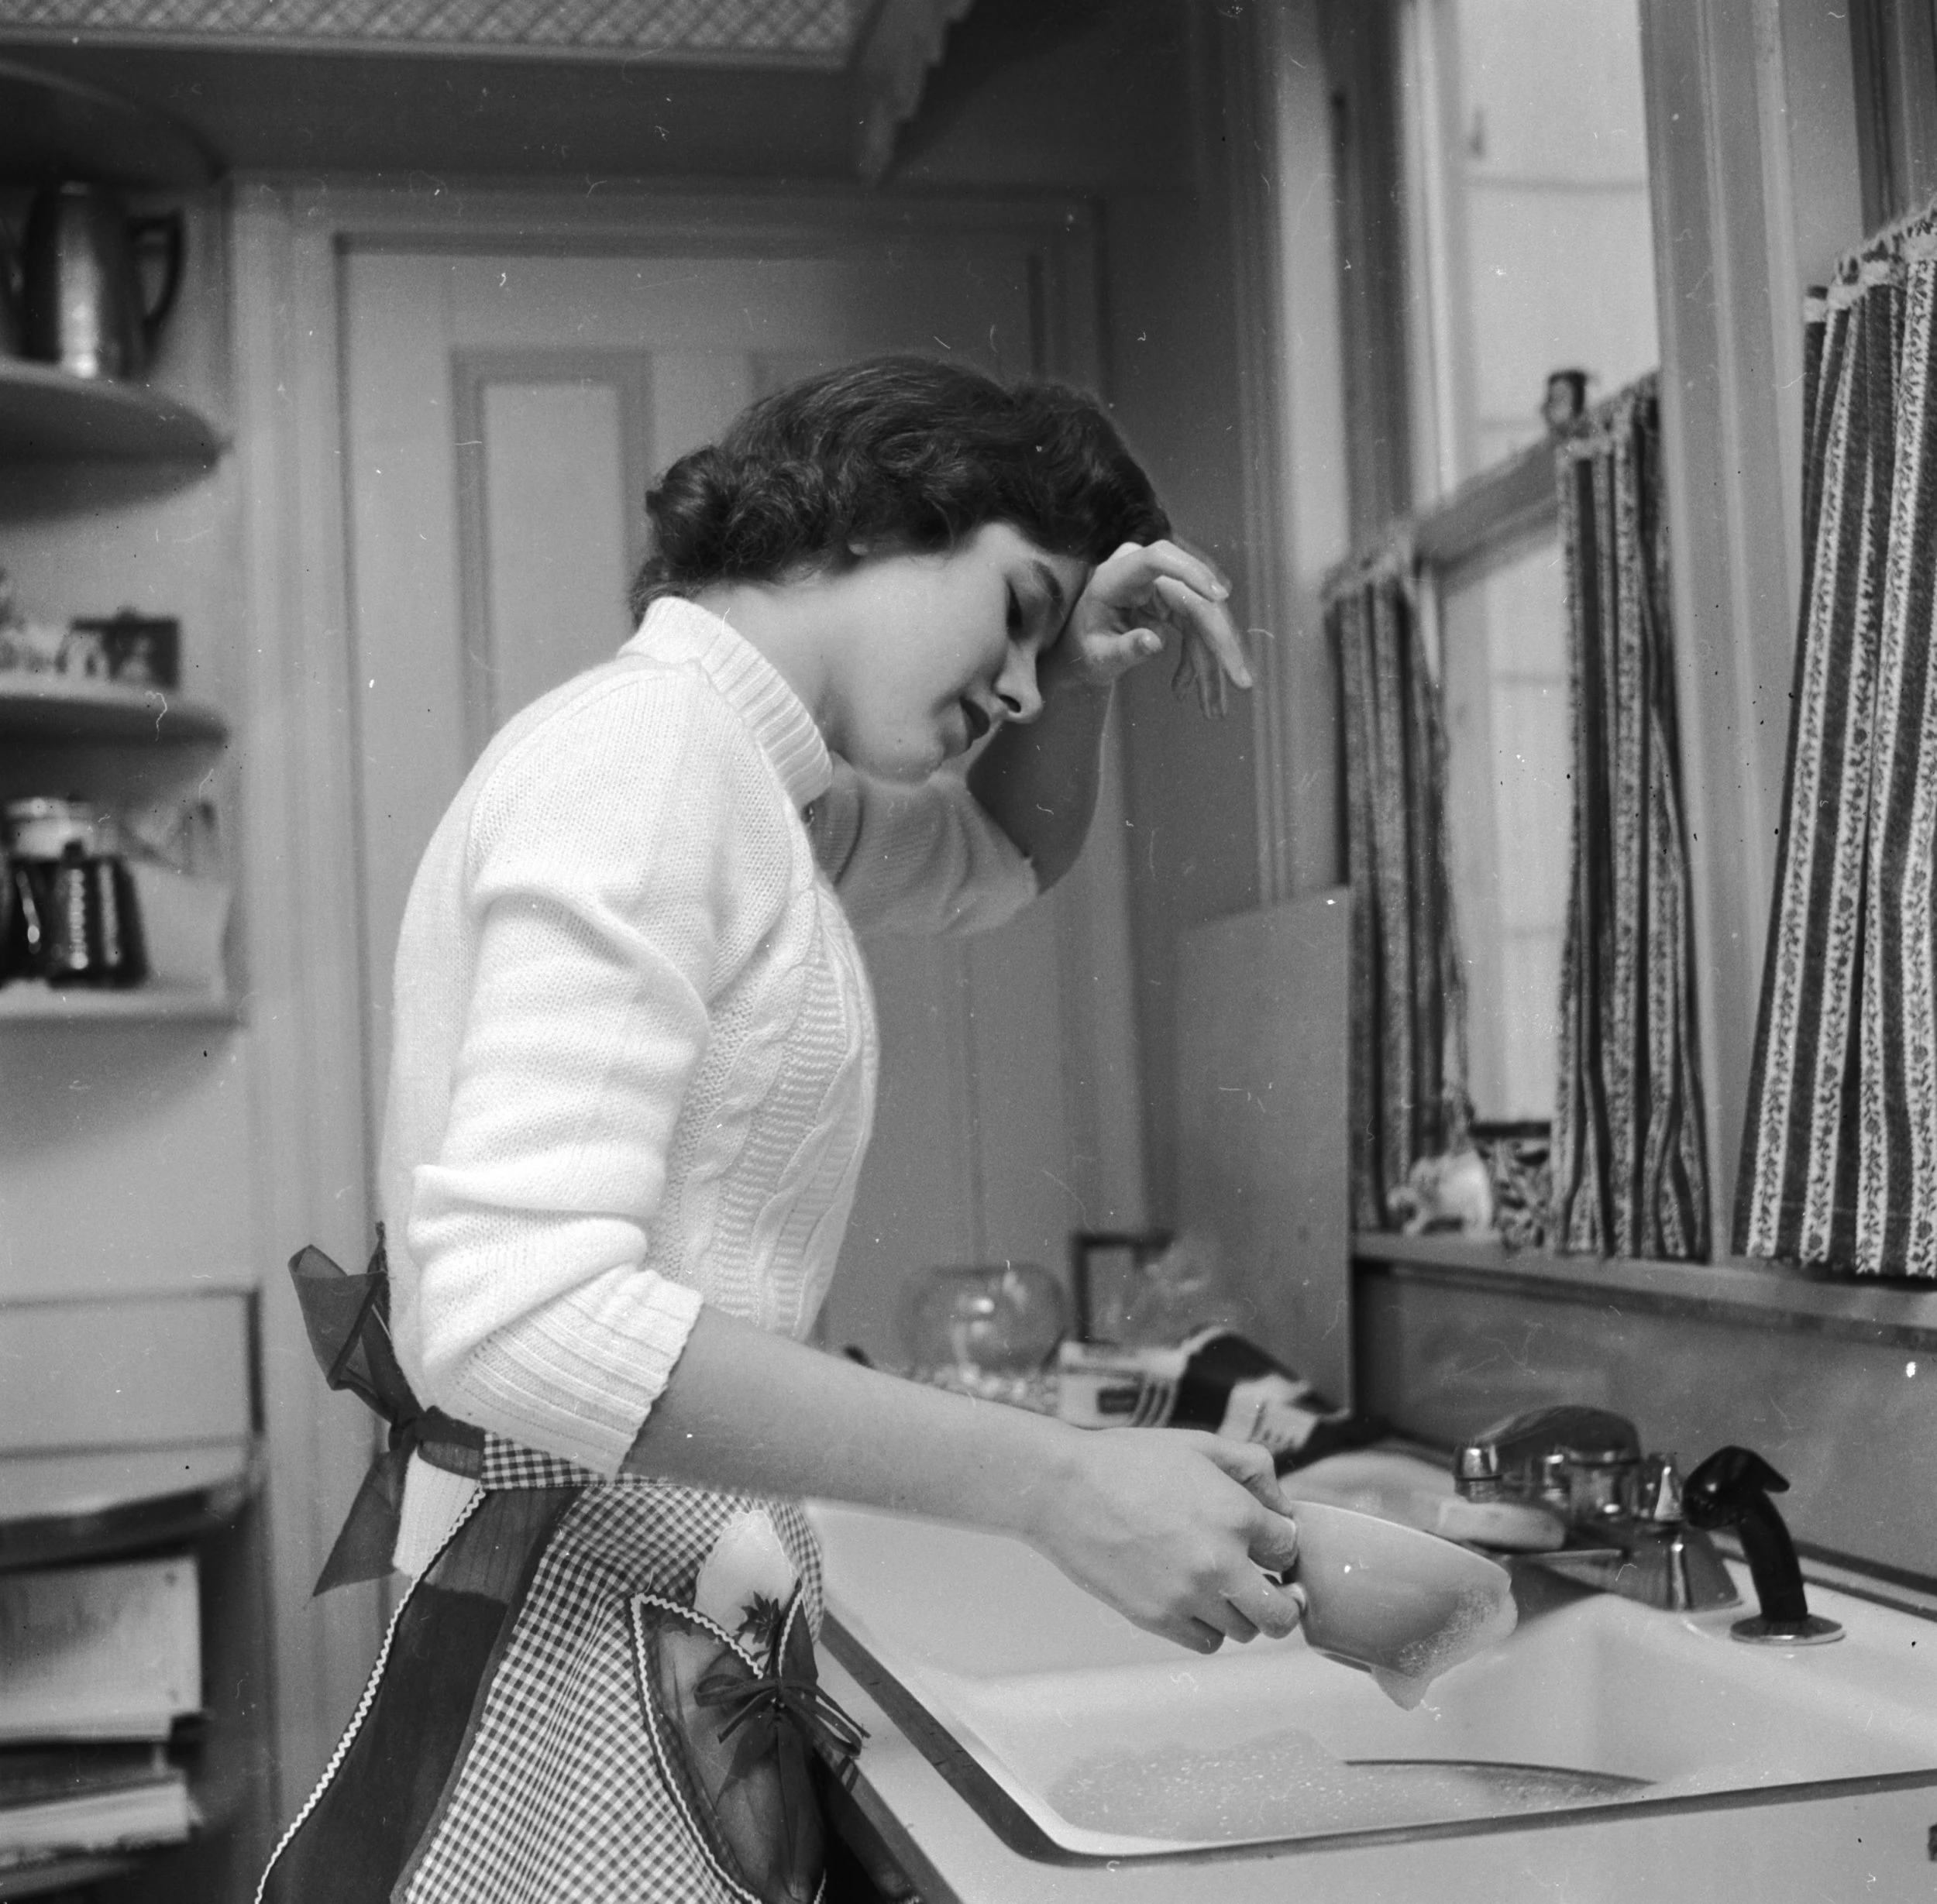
(83,302)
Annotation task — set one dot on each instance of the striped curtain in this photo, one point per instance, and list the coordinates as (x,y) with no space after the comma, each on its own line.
(1629,1167)
(1407,1017)
(1839,1145)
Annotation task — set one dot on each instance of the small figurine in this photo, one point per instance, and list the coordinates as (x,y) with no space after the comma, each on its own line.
(83,652)
(29,646)
(1452,1192)
(1566,401)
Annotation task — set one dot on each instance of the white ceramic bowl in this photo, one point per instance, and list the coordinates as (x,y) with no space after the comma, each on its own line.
(1404,1605)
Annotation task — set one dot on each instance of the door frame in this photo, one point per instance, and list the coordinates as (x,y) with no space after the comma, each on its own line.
(299,825)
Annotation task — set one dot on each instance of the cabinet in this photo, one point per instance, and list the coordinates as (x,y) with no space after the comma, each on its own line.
(76,1510)
(130,1402)
(84,464)
(128,749)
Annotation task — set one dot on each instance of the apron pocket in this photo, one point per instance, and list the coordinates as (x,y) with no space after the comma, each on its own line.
(734,1731)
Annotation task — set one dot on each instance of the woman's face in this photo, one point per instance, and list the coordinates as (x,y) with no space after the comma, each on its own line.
(938,649)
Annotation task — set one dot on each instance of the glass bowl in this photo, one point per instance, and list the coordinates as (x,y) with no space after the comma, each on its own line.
(1003,1319)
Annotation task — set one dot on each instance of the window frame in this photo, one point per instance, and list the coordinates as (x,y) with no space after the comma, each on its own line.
(1892,42)
(1382,55)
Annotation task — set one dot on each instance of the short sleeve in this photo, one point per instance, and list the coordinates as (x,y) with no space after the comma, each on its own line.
(924,859)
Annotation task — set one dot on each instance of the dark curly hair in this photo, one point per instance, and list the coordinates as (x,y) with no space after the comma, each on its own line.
(900,453)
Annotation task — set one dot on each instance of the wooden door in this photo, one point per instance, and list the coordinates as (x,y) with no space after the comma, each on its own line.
(504,413)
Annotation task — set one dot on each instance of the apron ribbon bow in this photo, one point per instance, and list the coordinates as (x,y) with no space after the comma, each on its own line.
(348,1319)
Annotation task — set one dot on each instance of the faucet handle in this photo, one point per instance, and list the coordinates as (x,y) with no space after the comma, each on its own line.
(1570,1458)
(1657,1492)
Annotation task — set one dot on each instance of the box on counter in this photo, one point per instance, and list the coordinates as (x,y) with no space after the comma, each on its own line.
(1215,1379)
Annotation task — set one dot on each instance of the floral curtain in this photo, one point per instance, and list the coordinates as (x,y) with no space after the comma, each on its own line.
(1629,1166)
(1839,1144)
(1407,1020)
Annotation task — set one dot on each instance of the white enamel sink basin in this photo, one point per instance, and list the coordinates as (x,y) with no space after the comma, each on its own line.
(1075,1733)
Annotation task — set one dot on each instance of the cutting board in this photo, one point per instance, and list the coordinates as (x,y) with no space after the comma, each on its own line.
(1263,1011)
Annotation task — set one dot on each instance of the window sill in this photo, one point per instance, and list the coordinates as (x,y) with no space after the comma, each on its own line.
(1752,1294)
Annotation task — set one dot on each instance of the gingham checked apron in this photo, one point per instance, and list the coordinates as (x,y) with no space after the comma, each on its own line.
(517,1743)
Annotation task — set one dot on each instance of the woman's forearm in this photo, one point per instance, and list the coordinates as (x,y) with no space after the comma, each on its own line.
(749,1410)
(1038,779)
(1178,1531)
(1037,782)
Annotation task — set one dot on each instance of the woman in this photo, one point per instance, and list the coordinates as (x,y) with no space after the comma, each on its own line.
(631,1088)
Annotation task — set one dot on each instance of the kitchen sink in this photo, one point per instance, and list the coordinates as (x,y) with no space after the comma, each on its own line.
(1078,1737)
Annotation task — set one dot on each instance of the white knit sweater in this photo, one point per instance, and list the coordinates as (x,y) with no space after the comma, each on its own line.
(634,1062)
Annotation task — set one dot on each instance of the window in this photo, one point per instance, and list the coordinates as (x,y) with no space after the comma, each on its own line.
(1893,45)
(1529,245)
(1530,268)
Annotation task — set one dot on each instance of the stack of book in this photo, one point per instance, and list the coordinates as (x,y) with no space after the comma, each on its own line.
(97,1664)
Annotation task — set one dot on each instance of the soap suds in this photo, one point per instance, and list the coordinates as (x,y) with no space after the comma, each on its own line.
(1479,1620)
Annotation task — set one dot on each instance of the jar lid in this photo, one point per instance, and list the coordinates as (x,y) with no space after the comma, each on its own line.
(40,826)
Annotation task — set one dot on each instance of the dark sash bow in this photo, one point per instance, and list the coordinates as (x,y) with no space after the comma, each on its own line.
(348,1318)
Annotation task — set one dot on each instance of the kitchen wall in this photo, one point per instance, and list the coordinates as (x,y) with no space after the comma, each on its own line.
(1135,103)
(1204,132)
(1831,1385)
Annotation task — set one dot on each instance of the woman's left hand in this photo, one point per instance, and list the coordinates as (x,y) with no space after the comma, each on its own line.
(1138,597)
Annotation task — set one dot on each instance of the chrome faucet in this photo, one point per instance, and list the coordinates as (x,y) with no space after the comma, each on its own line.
(1627,1532)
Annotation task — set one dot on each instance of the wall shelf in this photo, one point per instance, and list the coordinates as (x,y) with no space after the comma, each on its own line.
(1771,1295)
(50,415)
(60,708)
(53,127)
(71,1506)
(33,1001)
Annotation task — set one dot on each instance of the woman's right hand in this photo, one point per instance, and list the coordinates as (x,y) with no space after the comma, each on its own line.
(1135,599)
(1175,1529)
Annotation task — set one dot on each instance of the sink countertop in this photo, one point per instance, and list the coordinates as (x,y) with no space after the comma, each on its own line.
(1843,1842)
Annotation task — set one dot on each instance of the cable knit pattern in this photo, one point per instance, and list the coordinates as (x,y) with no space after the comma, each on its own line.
(634,1055)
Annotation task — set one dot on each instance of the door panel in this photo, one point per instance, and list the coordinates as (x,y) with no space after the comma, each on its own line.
(552,541)
(504,414)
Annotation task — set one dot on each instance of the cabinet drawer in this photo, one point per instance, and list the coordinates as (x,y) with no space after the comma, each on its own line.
(111,1374)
